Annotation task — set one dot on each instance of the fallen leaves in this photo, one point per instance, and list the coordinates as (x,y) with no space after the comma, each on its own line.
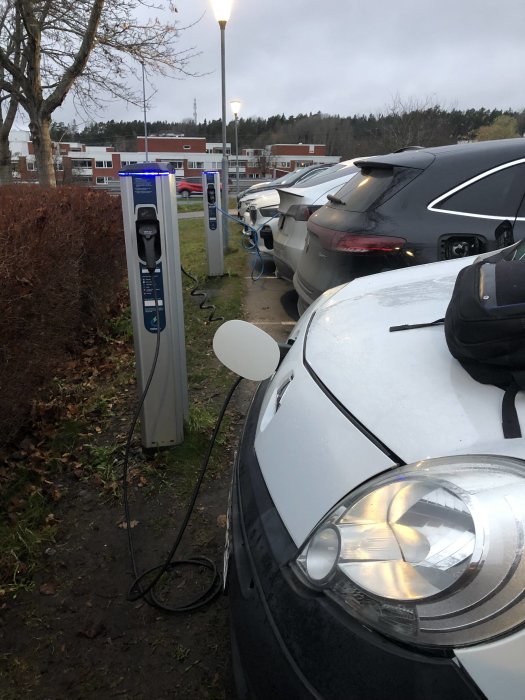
(48,589)
(124,525)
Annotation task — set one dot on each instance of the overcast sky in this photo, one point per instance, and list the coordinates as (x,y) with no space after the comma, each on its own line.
(344,57)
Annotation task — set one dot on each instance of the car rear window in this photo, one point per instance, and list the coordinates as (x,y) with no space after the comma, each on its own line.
(497,194)
(373,186)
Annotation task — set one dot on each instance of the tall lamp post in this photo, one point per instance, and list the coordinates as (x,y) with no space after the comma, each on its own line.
(144,106)
(236,106)
(222,11)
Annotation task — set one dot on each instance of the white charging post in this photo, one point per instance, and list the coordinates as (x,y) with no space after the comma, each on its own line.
(211,194)
(149,207)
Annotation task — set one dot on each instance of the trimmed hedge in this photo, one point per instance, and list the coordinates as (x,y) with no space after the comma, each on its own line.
(62,266)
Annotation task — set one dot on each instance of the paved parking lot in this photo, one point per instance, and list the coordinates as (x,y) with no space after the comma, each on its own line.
(271,304)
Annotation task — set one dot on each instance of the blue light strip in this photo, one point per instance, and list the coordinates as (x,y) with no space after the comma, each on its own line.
(144,173)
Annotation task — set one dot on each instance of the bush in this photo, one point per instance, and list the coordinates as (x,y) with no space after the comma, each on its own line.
(62,265)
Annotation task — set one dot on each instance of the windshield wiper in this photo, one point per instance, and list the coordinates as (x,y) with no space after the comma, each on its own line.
(333,199)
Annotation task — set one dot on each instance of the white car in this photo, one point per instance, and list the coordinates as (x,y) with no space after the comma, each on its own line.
(376,546)
(261,217)
(296,204)
(286,180)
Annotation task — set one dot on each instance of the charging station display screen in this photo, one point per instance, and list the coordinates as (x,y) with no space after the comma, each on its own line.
(148,298)
(144,190)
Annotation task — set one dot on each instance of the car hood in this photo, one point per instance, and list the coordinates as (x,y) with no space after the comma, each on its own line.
(265,199)
(405,388)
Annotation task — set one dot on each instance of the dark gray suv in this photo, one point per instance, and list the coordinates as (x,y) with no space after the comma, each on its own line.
(415,207)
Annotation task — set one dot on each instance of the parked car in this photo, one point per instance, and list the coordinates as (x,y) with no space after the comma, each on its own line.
(414,207)
(375,546)
(245,198)
(262,216)
(189,185)
(296,205)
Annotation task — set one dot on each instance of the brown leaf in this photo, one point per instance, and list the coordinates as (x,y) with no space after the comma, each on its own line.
(124,525)
(221,520)
(93,631)
(48,589)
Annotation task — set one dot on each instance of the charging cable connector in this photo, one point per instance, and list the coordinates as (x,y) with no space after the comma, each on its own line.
(149,232)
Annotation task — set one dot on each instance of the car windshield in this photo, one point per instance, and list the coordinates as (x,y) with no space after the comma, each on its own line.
(299,174)
(339,170)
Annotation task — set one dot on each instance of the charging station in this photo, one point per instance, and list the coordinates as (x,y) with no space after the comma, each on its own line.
(211,193)
(149,207)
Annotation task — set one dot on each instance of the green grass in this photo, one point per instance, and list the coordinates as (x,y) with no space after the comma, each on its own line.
(92,408)
(185,205)
(188,205)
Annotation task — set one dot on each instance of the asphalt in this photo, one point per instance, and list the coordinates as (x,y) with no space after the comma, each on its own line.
(271,303)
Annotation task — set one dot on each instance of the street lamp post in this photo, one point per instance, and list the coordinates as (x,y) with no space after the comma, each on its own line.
(236,106)
(222,10)
(144,107)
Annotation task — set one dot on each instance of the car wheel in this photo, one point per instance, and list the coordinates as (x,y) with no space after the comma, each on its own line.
(184,194)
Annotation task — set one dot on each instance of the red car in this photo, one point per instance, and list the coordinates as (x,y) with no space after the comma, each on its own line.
(189,185)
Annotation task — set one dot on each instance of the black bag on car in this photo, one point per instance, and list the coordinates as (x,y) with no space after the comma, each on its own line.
(485,329)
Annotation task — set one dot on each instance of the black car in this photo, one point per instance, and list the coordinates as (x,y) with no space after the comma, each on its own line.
(415,207)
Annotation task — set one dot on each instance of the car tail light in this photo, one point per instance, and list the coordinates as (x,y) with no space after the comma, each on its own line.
(365,243)
(302,212)
(355,242)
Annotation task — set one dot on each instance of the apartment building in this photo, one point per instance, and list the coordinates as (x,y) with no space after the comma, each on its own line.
(185,156)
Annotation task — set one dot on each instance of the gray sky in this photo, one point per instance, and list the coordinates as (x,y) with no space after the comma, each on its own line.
(344,57)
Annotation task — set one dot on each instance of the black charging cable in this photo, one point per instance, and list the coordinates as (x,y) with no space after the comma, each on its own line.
(141,588)
(204,304)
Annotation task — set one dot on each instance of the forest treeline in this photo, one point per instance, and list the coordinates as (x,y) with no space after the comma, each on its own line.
(344,136)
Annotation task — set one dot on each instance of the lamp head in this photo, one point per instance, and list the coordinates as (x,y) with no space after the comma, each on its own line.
(222,10)
(236,106)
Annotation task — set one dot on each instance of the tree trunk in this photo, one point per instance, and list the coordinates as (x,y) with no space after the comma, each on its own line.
(40,134)
(6,174)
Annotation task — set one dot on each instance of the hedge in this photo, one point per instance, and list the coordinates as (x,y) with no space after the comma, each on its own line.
(62,266)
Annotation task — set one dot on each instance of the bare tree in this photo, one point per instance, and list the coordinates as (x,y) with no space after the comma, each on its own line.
(265,163)
(79,46)
(411,123)
(9,101)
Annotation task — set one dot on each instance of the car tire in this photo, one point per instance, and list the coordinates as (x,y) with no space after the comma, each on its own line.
(184,194)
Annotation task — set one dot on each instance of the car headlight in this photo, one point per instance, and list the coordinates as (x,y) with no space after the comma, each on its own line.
(431,553)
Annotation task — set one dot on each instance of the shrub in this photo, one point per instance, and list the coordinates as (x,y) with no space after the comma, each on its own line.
(62,264)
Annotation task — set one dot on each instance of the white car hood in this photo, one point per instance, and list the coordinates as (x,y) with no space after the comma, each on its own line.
(405,387)
(265,199)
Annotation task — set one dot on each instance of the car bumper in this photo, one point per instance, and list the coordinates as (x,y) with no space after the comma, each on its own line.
(292,642)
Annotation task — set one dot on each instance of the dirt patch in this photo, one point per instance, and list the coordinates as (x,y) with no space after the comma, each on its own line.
(75,635)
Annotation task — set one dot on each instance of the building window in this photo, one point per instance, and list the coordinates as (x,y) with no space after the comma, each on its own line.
(81,163)
(186,147)
(31,166)
(195,165)
(103,180)
(60,166)
(103,164)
